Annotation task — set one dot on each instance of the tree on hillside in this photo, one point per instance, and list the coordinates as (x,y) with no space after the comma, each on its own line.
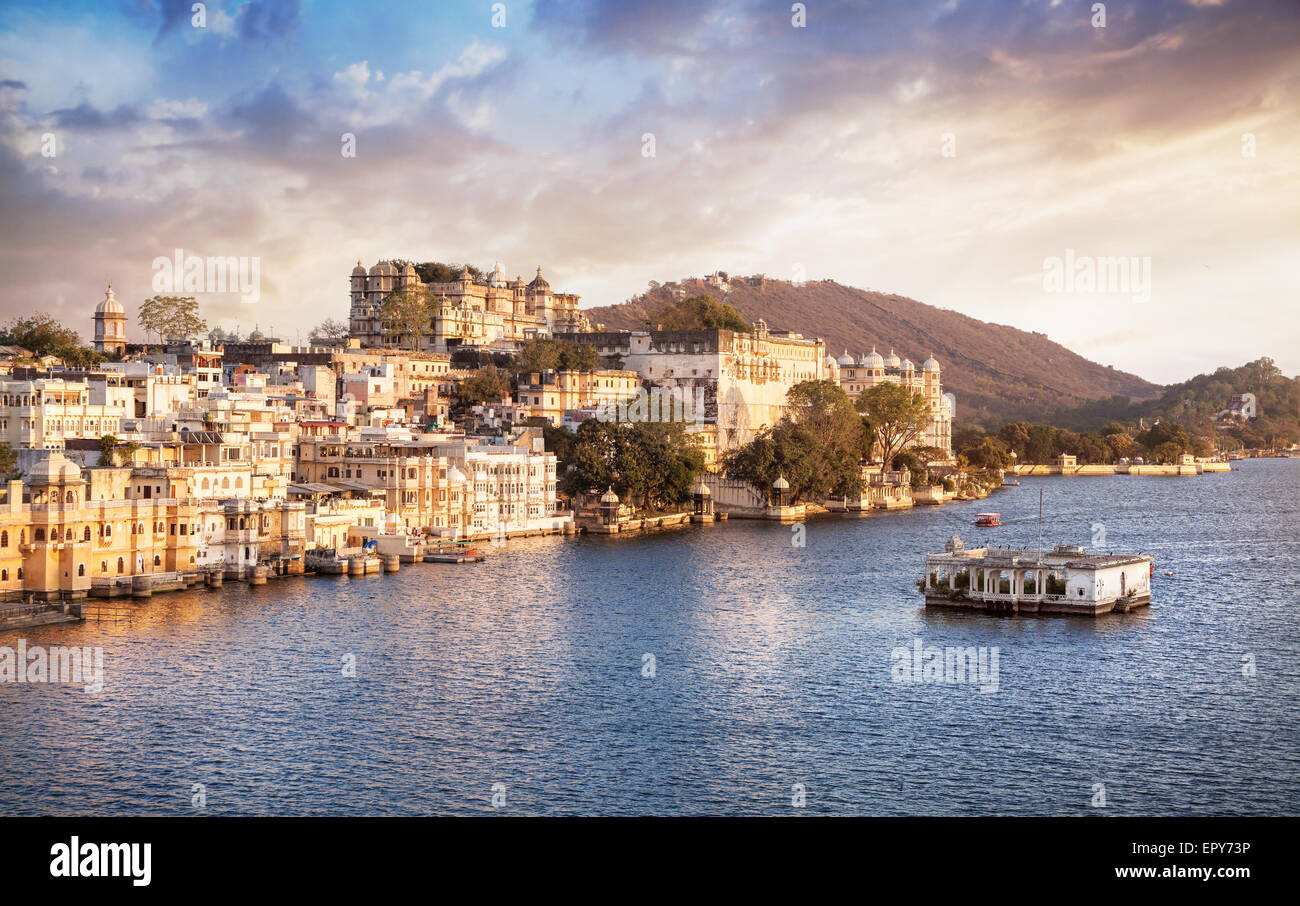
(172,317)
(406,312)
(989,453)
(704,313)
(897,416)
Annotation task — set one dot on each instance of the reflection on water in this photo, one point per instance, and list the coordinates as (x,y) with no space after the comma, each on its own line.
(772,668)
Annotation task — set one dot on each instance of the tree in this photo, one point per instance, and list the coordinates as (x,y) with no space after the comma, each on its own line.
(817,447)
(172,317)
(329,332)
(897,416)
(406,312)
(989,453)
(9,463)
(485,385)
(704,313)
(546,354)
(107,449)
(653,464)
(42,335)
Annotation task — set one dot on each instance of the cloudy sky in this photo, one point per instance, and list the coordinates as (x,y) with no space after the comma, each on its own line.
(943,151)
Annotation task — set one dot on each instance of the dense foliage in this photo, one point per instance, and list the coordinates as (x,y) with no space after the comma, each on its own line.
(818,446)
(546,354)
(43,336)
(651,465)
(703,313)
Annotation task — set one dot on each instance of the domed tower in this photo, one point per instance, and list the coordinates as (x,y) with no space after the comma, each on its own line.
(110,324)
(539,295)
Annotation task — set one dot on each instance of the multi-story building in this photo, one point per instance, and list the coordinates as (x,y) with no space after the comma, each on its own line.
(865,372)
(67,532)
(551,394)
(495,312)
(742,378)
(440,484)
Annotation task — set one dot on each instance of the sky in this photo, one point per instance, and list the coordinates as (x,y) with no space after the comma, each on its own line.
(960,153)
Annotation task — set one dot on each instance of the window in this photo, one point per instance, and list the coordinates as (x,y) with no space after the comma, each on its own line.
(4,539)
(85,535)
(39,534)
(121,566)
(157,560)
(81,569)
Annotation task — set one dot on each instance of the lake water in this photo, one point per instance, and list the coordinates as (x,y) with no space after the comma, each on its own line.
(772,669)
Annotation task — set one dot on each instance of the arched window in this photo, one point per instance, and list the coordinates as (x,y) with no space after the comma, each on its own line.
(206,484)
(239,482)
(108,531)
(225,484)
(70,497)
(103,566)
(4,539)
(85,536)
(67,536)
(121,566)
(157,561)
(4,575)
(39,535)
(22,536)
(81,569)
(20,572)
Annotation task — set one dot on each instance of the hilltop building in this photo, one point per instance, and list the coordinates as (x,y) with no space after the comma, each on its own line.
(497,312)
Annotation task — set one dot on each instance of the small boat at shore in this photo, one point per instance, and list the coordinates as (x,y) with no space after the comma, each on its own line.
(988,519)
(1013,483)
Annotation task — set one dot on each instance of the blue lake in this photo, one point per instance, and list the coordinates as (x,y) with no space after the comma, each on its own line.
(772,669)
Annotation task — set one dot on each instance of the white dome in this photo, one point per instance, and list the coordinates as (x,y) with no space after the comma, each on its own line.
(873,360)
(109,304)
(358,271)
(892,361)
(781,484)
(54,469)
(930,364)
(455,475)
(908,366)
(845,359)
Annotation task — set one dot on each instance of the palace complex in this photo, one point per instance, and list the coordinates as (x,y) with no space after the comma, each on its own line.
(227,457)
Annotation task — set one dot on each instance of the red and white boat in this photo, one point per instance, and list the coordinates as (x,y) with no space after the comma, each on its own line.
(988,519)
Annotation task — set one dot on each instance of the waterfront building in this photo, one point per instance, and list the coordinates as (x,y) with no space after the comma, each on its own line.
(855,375)
(1066,579)
(69,532)
(496,312)
(441,484)
(743,377)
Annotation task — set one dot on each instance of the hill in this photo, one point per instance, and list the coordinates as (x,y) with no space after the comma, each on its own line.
(998,373)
